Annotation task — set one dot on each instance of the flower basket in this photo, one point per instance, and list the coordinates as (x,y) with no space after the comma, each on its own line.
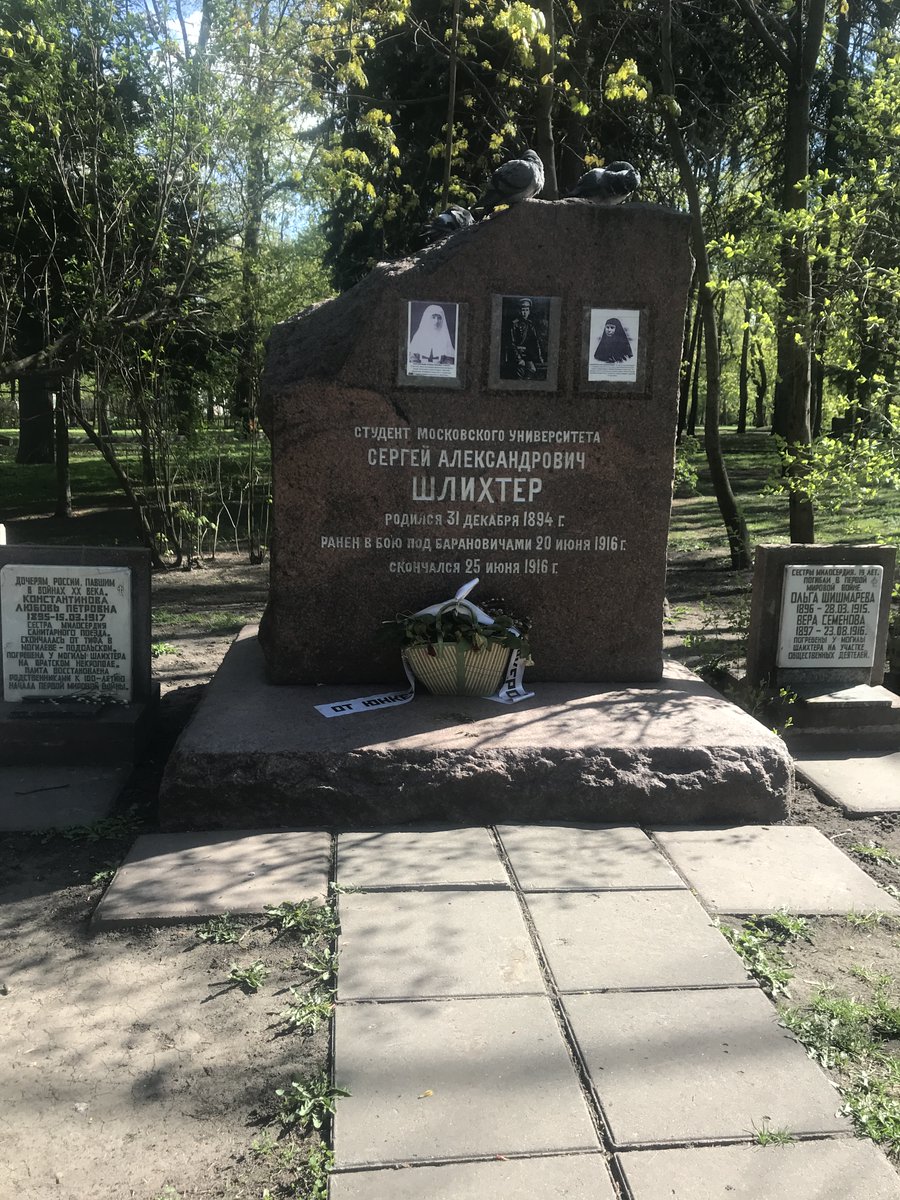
(457,669)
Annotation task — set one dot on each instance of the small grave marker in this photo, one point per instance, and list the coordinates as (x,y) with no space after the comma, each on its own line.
(819,616)
(75,641)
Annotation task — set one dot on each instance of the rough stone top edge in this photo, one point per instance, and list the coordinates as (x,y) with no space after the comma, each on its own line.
(317,335)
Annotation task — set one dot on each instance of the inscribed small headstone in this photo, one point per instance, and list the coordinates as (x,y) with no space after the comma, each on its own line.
(819,615)
(829,615)
(66,631)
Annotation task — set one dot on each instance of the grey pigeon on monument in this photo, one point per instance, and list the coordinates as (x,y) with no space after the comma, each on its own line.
(607,185)
(448,221)
(514,181)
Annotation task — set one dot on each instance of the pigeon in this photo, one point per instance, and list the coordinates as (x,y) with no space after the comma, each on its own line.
(449,221)
(515,181)
(607,185)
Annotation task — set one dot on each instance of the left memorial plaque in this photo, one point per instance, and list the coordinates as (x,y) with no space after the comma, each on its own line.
(67,630)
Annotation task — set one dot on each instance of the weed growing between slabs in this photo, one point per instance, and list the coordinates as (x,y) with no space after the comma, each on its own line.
(847,1014)
(294,937)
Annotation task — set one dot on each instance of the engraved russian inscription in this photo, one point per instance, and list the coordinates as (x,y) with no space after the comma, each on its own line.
(66,631)
(829,615)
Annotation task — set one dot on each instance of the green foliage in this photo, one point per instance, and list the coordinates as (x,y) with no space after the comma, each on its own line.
(688,459)
(161,649)
(759,940)
(219,930)
(308,1010)
(839,474)
(303,917)
(455,624)
(321,964)
(112,828)
(765,1135)
(856,1038)
(875,853)
(249,978)
(307,1103)
(724,630)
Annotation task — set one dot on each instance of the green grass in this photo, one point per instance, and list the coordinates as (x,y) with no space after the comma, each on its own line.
(752,463)
(204,622)
(30,488)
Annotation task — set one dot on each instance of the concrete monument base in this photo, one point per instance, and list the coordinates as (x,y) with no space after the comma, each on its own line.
(257,755)
(75,734)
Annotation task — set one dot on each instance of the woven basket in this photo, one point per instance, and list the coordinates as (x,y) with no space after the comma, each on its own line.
(457,669)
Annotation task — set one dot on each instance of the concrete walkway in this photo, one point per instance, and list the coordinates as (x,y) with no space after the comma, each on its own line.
(548,1010)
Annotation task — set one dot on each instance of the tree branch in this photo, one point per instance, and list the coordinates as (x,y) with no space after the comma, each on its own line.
(766,36)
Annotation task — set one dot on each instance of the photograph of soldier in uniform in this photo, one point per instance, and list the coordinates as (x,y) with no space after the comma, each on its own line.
(524,338)
(613,344)
(432,329)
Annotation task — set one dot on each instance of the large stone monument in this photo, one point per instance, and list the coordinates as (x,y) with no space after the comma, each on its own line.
(531,444)
(500,406)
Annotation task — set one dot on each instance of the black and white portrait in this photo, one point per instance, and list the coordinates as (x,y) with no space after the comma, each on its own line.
(524,348)
(613,344)
(432,338)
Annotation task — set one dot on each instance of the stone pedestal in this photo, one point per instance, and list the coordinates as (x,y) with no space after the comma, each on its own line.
(674,751)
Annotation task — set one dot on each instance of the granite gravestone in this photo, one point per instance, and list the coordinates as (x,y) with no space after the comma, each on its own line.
(75,638)
(819,616)
(501,406)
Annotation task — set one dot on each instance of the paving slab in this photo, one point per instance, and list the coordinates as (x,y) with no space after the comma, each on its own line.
(419,858)
(858,783)
(565,1178)
(685,1066)
(435,943)
(170,877)
(759,869)
(564,857)
(455,1078)
(56,797)
(631,940)
(836,1169)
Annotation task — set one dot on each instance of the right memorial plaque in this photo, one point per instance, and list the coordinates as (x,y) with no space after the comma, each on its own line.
(829,615)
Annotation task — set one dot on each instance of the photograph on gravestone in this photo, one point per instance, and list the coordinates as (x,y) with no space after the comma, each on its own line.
(525,342)
(431,344)
(614,338)
(829,615)
(432,338)
(386,497)
(66,631)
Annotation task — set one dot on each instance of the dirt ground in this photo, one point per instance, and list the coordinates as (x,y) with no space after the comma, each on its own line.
(131,1068)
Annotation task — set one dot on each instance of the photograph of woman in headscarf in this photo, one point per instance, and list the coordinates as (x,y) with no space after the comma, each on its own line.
(614,338)
(431,344)
(614,345)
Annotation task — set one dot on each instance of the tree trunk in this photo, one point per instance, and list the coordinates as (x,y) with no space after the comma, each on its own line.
(762,387)
(695,377)
(744,372)
(688,351)
(61,419)
(543,125)
(733,518)
(36,430)
(451,105)
(796,52)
